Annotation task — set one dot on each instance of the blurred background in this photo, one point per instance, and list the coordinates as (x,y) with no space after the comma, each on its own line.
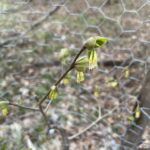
(32,36)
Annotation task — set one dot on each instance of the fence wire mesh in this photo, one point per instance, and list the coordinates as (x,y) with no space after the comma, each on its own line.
(32,34)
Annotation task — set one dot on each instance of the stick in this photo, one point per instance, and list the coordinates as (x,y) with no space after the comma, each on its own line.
(92,124)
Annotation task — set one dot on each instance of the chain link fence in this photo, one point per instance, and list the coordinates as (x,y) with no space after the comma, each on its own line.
(95,113)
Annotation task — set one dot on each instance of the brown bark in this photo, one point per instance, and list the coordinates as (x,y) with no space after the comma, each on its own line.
(133,135)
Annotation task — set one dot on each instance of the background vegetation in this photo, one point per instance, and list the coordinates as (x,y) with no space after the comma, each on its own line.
(31,41)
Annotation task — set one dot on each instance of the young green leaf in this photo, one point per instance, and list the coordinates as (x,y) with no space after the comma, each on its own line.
(95,42)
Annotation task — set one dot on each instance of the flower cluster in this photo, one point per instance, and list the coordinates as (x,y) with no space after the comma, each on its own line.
(81,63)
(80,66)
(91,44)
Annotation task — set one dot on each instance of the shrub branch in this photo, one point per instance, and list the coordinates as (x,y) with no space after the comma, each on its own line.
(57,83)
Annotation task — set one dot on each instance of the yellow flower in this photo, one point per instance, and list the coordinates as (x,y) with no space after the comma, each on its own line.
(137,112)
(80,66)
(131,119)
(80,76)
(126,72)
(5,111)
(92,58)
(96,91)
(112,82)
(64,53)
(66,79)
(95,42)
(4,108)
(53,93)
(81,63)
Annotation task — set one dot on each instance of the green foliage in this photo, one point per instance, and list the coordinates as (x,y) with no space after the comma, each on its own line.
(3,147)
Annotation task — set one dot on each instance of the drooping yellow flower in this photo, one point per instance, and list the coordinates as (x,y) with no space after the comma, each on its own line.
(137,112)
(4,108)
(81,63)
(126,72)
(91,44)
(92,58)
(64,52)
(80,76)
(80,66)
(53,93)
(66,79)
(5,111)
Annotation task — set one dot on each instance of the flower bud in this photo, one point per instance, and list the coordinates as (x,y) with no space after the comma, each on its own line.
(81,63)
(64,52)
(53,93)
(137,112)
(95,42)
(66,79)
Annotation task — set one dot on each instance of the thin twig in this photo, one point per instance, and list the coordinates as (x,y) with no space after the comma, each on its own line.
(8,41)
(42,111)
(92,124)
(24,107)
(41,20)
(57,83)
(64,134)
(47,107)
(71,66)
